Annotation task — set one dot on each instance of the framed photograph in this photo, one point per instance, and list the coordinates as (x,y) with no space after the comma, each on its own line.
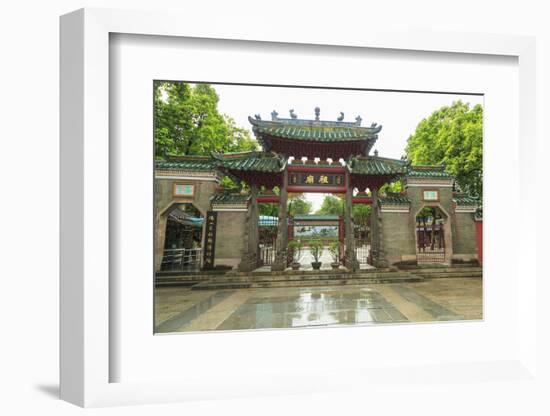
(227,228)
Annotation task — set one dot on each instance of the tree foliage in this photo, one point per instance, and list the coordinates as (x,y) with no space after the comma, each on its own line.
(391,187)
(187,122)
(299,205)
(452,135)
(331,205)
(361,213)
(269,209)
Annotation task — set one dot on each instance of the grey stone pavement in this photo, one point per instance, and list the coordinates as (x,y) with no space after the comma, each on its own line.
(180,309)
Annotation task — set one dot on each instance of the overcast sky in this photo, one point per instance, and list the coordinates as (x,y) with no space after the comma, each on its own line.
(398,112)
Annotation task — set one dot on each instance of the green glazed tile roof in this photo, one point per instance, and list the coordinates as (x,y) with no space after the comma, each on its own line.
(311,130)
(229,199)
(186,163)
(374,165)
(463,199)
(250,161)
(428,172)
(394,199)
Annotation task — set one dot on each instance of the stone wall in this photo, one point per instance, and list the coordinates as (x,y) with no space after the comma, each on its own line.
(445,203)
(201,200)
(464,236)
(230,238)
(397,241)
(164,202)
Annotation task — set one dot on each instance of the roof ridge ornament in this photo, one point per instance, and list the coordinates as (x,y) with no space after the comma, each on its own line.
(317,113)
(358,120)
(293,114)
(274,116)
(341,117)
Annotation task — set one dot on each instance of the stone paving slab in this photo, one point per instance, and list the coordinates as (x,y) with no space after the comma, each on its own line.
(182,310)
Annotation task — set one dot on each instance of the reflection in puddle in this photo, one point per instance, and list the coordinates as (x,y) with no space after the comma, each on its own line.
(313,307)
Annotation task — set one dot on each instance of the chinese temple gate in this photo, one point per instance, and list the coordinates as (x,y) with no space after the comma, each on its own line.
(300,155)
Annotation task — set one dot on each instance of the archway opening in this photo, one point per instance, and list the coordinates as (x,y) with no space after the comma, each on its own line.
(430,226)
(183,241)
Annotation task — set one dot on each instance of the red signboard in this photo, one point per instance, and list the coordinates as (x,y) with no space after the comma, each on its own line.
(316,179)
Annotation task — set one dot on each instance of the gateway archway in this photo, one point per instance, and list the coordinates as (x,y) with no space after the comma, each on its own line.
(431,233)
(183,236)
(297,157)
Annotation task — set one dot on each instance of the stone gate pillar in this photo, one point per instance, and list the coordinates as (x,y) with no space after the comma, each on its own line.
(282,230)
(375,229)
(350,256)
(250,257)
(160,237)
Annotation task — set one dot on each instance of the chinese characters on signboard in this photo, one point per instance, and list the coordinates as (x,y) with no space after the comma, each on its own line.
(184,189)
(431,195)
(210,240)
(316,179)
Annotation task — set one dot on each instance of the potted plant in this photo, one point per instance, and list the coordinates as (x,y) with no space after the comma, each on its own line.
(334,250)
(295,247)
(316,249)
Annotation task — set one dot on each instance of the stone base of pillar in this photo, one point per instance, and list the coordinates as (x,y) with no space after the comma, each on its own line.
(351,262)
(279,264)
(379,259)
(249,262)
(352,265)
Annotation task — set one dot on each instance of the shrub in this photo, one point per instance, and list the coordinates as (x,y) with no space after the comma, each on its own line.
(316,248)
(334,250)
(295,247)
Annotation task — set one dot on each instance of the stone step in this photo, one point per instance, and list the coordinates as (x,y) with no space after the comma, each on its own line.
(184,280)
(220,286)
(281,281)
(309,277)
(305,272)
(448,270)
(473,274)
(188,279)
(336,282)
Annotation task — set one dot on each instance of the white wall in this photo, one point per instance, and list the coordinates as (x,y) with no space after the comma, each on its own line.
(29,207)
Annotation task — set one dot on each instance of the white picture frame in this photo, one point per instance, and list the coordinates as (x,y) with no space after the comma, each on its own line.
(85,210)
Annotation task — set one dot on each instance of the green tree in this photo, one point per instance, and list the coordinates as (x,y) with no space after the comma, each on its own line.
(361,213)
(391,187)
(269,209)
(299,205)
(331,205)
(187,122)
(452,135)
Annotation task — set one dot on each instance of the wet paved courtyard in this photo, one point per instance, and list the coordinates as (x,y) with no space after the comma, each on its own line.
(180,309)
